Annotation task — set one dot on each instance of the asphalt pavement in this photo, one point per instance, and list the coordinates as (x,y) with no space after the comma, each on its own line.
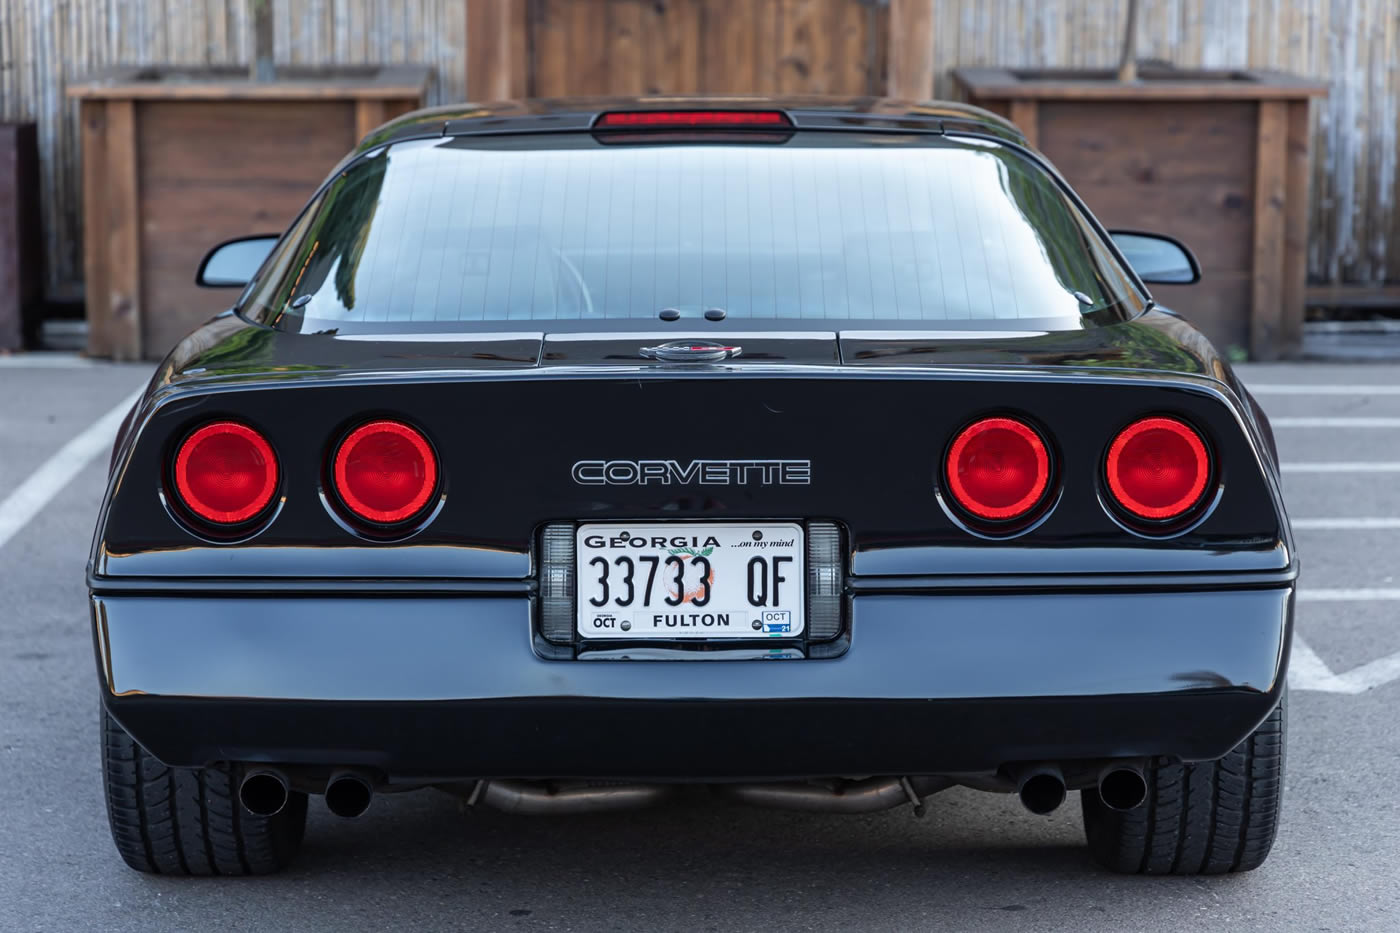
(422,861)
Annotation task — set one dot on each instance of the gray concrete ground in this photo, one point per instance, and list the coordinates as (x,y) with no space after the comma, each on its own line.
(977,862)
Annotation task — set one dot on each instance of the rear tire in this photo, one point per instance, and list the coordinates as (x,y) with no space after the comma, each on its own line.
(188,821)
(1206,818)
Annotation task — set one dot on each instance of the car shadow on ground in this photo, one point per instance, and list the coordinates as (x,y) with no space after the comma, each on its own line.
(969,847)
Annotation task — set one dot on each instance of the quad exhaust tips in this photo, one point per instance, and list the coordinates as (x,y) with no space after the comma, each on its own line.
(1041,788)
(348,794)
(1122,786)
(263,793)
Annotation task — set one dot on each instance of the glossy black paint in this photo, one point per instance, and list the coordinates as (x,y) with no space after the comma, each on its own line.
(580,114)
(688,740)
(449,686)
(508,436)
(311,643)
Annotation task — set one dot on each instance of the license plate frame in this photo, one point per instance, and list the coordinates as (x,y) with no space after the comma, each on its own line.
(728,548)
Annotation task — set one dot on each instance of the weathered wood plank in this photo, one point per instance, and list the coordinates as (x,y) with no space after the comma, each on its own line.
(1185,169)
(622,47)
(1026,115)
(94,162)
(383,83)
(369,113)
(992,84)
(1295,228)
(1352,296)
(496,49)
(767,29)
(729,54)
(848,30)
(487,68)
(194,195)
(798,40)
(587,62)
(672,60)
(911,45)
(121,301)
(548,47)
(1270,189)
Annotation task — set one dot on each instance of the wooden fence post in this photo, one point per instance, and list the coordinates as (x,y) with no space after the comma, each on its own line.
(112,225)
(497,52)
(1295,228)
(1270,187)
(911,50)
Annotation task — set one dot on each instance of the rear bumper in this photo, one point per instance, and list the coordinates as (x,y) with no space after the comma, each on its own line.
(424,688)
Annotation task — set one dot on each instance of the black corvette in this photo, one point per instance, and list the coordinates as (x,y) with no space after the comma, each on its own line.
(827,453)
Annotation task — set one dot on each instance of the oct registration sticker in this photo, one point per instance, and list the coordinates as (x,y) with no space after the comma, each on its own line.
(691,580)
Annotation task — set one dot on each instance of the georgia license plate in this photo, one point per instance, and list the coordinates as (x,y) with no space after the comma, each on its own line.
(691,580)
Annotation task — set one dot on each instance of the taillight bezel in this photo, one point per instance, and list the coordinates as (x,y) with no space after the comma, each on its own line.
(364,520)
(1012,524)
(199,517)
(1176,523)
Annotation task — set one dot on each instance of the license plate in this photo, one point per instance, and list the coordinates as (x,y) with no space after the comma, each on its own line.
(691,580)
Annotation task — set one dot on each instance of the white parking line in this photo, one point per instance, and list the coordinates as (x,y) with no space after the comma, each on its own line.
(1342,466)
(1335,422)
(46,482)
(46,361)
(1281,389)
(1347,524)
(1347,595)
(1307,671)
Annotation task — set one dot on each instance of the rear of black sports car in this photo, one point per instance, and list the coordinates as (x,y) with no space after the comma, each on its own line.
(829,454)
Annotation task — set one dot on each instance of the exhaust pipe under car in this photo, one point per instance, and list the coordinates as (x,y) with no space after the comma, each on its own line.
(850,796)
(1041,788)
(263,793)
(1122,786)
(535,798)
(348,794)
(869,795)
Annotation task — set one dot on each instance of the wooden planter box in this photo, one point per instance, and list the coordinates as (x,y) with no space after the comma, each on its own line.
(1218,159)
(176,160)
(21,255)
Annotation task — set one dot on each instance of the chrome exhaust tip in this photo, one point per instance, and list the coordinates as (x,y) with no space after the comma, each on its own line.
(348,794)
(263,793)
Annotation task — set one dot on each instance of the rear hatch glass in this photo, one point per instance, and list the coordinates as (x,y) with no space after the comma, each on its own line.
(559,233)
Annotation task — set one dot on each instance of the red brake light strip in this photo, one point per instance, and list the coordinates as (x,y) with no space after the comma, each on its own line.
(673,119)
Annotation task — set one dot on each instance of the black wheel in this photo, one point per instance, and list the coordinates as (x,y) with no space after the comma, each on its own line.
(188,821)
(1207,818)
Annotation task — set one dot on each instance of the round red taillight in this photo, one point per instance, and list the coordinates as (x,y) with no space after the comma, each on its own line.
(1158,468)
(385,472)
(226,472)
(998,469)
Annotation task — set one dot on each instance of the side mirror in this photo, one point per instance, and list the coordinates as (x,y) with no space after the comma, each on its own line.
(233,263)
(1157,259)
